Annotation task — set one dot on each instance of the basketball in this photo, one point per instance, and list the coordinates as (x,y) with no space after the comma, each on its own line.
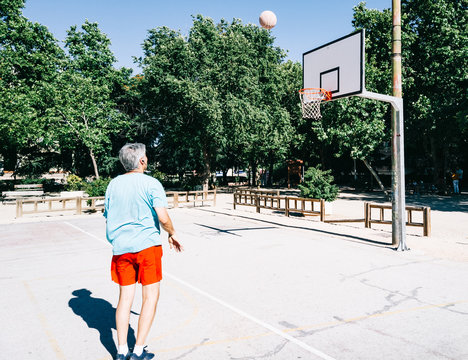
(267,19)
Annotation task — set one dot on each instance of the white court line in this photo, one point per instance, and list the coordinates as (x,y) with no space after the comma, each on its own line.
(232,308)
(254,319)
(87,233)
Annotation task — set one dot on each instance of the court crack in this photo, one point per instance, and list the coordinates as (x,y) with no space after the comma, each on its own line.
(266,355)
(195,347)
(346,277)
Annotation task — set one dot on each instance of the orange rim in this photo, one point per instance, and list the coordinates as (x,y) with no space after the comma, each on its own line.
(327,95)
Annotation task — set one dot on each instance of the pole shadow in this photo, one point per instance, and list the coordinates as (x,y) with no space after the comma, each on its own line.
(98,314)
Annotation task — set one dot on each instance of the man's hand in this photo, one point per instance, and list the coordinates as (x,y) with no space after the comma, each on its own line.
(166,223)
(174,243)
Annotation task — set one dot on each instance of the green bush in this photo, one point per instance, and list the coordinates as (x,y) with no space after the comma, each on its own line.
(49,185)
(158,175)
(318,185)
(98,187)
(75,183)
(30,180)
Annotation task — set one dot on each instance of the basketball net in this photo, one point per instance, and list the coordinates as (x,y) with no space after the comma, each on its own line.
(310,100)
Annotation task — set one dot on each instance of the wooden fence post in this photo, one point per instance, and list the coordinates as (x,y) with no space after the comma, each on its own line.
(286,206)
(322,210)
(176,199)
(366,215)
(19,208)
(257,203)
(427,221)
(235,200)
(78,205)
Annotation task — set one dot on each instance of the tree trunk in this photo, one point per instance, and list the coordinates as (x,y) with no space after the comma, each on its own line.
(206,170)
(225,171)
(93,159)
(437,177)
(270,174)
(322,156)
(376,176)
(254,173)
(446,168)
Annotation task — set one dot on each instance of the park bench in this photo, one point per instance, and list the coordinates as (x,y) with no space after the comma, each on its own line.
(13,195)
(23,191)
(29,186)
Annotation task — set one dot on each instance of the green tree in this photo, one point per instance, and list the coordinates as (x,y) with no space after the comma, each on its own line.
(357,126)
(214,96)
(435,44)
(85,91)
(29,61)
(437,56)
(318,185)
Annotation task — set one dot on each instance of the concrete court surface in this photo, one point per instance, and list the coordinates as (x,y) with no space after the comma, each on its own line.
(246,287)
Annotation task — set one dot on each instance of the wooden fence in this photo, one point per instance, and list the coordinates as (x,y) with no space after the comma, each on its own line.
(175,198)
(284,204)
(425,223)
(23,206)
(80,204)
(258,192)
(316,207)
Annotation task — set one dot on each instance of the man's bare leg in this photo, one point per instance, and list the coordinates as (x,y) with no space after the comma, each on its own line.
(150,296)
(122,313)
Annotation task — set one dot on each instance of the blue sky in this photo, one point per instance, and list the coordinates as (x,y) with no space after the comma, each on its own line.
(302,25)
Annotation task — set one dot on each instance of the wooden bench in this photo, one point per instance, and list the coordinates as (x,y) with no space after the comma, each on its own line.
(29,186)
(13,195)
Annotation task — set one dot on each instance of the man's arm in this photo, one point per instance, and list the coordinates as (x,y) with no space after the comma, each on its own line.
(166,224)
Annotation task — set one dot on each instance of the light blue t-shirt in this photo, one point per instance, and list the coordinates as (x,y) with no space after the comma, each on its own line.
(132,222)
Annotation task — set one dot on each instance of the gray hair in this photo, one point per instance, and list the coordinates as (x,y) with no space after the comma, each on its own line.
(130,155)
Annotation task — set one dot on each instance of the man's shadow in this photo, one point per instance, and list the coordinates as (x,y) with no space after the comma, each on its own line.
(100,315)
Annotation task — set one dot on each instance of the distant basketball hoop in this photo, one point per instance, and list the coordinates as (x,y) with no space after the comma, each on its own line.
(311,99)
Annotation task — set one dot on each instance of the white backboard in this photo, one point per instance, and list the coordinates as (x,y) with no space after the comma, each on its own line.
(337,66)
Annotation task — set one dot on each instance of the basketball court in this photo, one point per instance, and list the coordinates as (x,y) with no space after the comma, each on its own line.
(246,287)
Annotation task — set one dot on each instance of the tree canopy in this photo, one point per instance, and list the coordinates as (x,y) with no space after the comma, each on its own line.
(216,96)
(224,96)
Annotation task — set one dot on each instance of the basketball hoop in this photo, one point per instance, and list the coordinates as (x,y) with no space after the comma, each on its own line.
(311,99)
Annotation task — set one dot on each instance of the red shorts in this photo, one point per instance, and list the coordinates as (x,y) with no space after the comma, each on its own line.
(143,266)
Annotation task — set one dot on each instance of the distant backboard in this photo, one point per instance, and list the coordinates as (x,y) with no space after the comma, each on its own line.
(337,66)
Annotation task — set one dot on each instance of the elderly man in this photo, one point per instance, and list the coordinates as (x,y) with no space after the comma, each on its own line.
(135,206)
